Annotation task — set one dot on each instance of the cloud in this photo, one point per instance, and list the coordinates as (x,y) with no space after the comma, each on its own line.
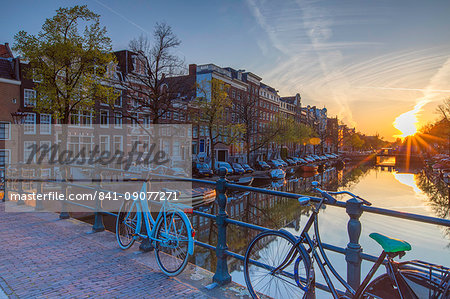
(315,61)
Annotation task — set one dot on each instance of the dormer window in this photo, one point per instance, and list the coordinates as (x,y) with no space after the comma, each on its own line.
(138,65)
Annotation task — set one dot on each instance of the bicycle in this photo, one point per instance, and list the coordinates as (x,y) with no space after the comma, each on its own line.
(171,233)
(280,265)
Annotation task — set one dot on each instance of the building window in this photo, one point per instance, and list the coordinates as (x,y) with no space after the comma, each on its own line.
(118,143)
(44,145)
(202,146)
(81,118)
(118,102)
(118,120)
(104,143)
(147,121)
(104,118)
(29,98)
(30,124)
(4,158)
(134,120)
(45,125)
(194,147)
(28,147)
(5,131)
(195,132)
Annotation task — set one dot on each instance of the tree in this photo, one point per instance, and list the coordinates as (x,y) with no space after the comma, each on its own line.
(246,114)
(356,141)
(444,111)
(210,111)
(154,66)
(70,68)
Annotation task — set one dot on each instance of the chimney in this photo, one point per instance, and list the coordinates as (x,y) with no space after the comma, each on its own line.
(192,69)
(9,50)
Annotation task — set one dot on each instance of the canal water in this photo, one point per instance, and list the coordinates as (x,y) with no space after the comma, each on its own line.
(385,187)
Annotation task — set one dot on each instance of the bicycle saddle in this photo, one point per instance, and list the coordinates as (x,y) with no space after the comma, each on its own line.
(390,244)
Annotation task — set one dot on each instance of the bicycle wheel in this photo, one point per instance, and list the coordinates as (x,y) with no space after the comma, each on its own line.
(264,254)
(126,224)
(172,241)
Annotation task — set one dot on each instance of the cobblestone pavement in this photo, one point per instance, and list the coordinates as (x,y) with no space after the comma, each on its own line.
(44,257)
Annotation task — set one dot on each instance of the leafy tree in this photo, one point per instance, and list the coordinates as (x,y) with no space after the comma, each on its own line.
(210,110)
(70,68)
(356,142)
(444,124)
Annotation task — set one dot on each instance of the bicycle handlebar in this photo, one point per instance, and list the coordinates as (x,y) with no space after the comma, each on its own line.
(331,199)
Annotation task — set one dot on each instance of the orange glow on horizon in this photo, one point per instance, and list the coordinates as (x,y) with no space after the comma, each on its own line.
(407,123)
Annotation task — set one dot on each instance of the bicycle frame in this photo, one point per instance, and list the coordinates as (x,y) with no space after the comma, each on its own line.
(143,210)
(322,259)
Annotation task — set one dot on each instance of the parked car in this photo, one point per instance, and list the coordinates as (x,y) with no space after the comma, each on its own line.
(247,168)
(201,170)
(224,164)
(274,164)
(261,165)
(290,162)
(302,161)
(238,169)
(283,163)
(310,159)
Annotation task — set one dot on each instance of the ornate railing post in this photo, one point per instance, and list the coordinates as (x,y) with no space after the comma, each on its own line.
(64,189)
(20,183)
(39,189)
(146,245)
(353,250)
(221,276)
(98,220)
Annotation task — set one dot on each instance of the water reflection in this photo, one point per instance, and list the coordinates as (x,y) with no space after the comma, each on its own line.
(408,180)
(384,187)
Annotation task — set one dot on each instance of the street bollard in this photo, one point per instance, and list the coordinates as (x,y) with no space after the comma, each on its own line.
(39,189)
(64,189)
(98,220)
(221,276)
(353,250)
(20,184)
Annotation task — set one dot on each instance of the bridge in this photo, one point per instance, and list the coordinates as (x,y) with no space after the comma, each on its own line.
(21,232)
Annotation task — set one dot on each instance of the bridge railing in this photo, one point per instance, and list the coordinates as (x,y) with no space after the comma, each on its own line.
(354,209)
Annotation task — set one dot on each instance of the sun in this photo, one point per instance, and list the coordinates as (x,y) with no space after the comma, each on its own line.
(406,123)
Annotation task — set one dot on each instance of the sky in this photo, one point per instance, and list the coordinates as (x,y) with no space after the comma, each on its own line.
(374,64)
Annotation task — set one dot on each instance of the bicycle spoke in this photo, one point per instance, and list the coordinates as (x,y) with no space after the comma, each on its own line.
(172,244)
(265,254)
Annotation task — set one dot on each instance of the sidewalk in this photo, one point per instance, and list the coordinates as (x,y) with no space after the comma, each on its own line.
(45,257)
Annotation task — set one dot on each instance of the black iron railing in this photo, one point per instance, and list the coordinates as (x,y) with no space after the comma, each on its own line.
(354,209)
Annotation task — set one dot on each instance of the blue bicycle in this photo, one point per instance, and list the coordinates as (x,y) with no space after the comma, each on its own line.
(171,233)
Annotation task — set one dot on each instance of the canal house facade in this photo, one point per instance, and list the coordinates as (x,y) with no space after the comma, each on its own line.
(113,121)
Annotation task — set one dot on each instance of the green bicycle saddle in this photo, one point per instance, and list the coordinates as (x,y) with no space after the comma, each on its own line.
(390,244)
